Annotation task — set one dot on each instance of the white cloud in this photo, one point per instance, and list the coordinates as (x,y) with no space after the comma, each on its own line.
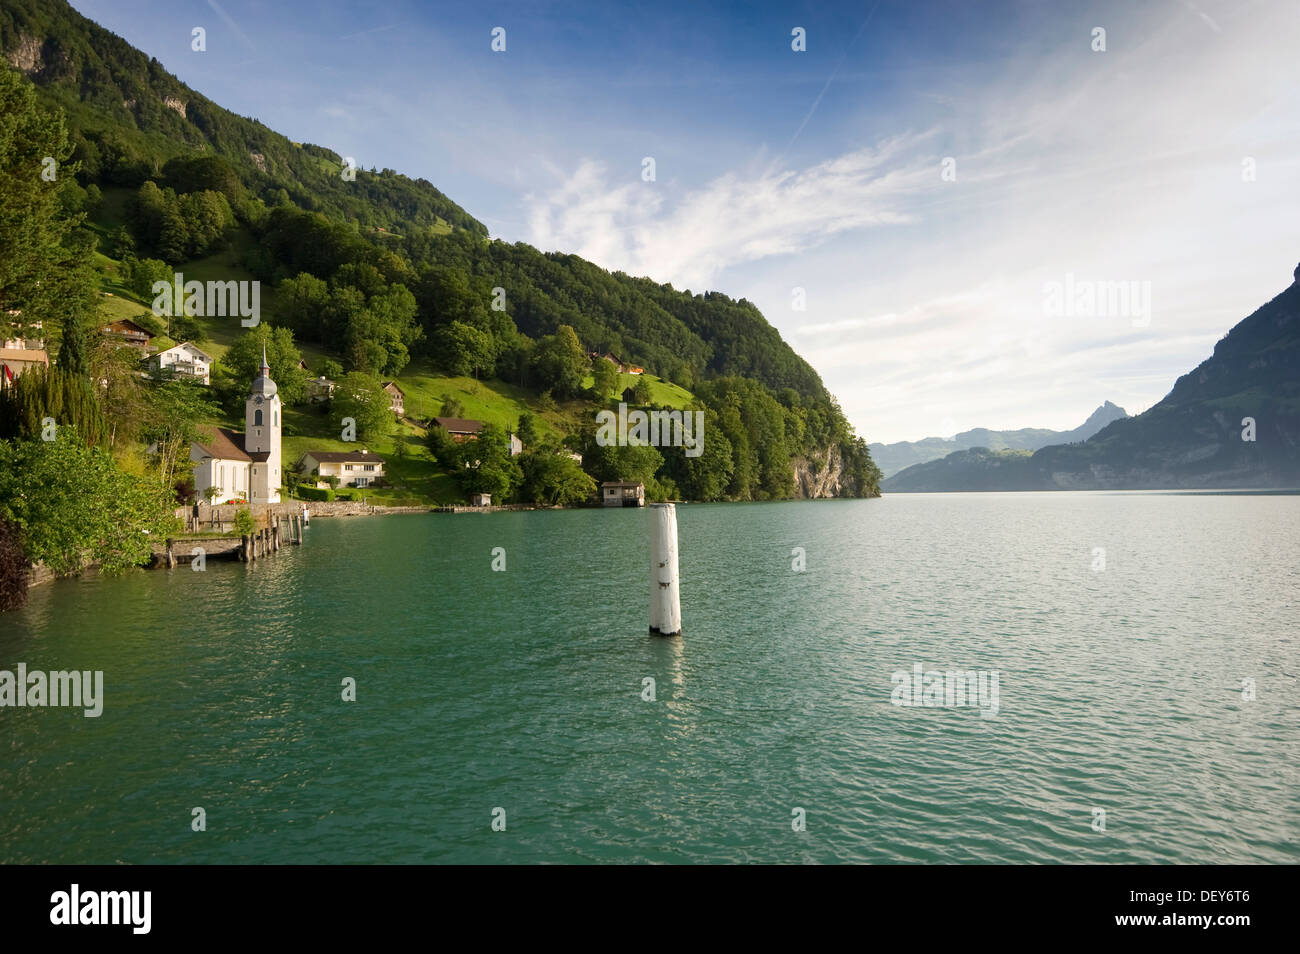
(688,236)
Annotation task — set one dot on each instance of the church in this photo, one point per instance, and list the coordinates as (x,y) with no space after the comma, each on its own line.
(243,467)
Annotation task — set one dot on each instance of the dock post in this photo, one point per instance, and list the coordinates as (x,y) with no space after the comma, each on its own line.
(171,553)
(243,548)
(665,596)
(275,536)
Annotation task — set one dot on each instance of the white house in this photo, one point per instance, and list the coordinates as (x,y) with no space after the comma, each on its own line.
(19,354)
(185,359)
(319,389)
(396,397)
(247,466)
(358,468)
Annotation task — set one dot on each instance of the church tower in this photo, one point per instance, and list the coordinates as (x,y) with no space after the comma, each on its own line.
(262,425)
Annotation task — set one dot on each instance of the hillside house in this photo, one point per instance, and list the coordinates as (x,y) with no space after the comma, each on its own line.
(183,360)
(356,468)
(319,389)
(128,332)
(396,398)
(459,428)
(19,354)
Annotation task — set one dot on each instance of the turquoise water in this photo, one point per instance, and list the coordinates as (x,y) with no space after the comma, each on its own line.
(1120,689)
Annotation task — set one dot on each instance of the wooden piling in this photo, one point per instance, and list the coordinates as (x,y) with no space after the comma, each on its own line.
(665,596)
(171,553)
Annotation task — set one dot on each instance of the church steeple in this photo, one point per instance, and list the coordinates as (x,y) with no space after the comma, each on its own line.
(262,384)
(262,429)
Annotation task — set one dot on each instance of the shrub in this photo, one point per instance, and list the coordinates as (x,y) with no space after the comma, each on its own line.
(244,522)
(315,493)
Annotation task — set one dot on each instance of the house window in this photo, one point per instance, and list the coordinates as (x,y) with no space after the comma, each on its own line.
(257,418)
(275,418)
(347,466)
(370,466)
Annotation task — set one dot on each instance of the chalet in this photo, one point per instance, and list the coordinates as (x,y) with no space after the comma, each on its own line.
(319,389)
(516,445)
(183,360)
(622,493)
(634,369)
(459,428)
(128,332)
(357,468)
(629,396)
(396,398)
(19,354)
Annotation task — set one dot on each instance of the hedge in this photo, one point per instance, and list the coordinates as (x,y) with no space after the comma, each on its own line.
(315,493)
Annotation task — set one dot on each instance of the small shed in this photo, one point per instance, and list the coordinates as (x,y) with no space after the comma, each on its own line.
(481,500)
(622,493)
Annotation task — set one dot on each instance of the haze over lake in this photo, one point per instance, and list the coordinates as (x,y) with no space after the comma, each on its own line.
(1121,689)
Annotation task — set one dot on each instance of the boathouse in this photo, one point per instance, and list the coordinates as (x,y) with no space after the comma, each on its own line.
(622,493)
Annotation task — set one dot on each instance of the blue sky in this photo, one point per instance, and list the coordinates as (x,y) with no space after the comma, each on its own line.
(821,170)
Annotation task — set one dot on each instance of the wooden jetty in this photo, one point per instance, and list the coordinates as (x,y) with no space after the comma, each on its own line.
(281,530)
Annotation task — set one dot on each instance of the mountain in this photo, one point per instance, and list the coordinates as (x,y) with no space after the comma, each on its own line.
(389,277)
(892,458)
(128,116)
(1233,422)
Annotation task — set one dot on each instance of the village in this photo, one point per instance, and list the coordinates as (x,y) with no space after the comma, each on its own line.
(246,470)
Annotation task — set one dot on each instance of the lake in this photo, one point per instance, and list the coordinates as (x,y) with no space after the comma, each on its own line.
(519,696)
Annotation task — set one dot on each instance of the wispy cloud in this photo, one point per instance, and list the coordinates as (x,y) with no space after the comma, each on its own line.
(231,24)
(687,236)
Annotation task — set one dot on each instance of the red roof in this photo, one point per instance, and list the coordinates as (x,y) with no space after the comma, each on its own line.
(222,443)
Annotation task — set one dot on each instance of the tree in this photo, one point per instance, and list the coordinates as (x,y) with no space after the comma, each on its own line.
(604,379)
(75,344)
(46,259)
(301,303)
(42,395)
(122,395)
(527,430)
(74,506)
(707,476)
(488,466)
(244,359)
(244,522)
(175,410)
(362,397)
(463,349)
(13,567)
(560,363)
(550,477)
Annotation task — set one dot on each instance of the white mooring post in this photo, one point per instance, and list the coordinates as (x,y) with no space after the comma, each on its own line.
(665,597)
